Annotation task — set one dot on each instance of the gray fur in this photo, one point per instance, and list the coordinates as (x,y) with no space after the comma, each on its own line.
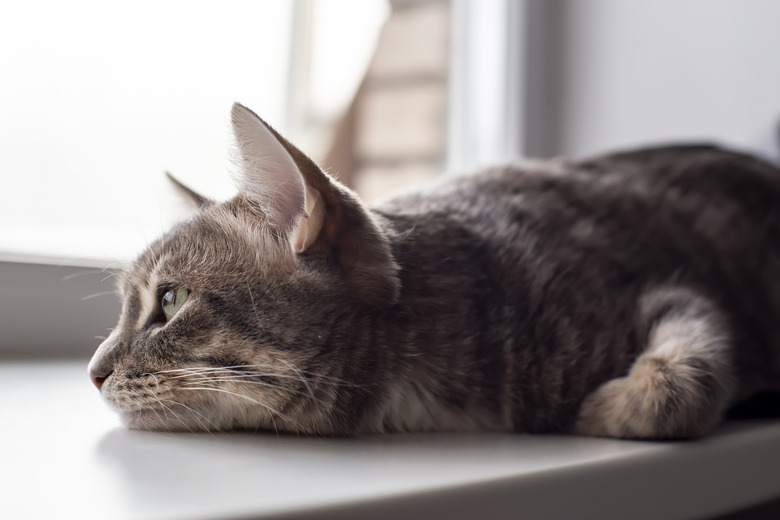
(644,284)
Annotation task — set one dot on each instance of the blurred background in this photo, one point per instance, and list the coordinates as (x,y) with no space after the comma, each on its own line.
(99,99)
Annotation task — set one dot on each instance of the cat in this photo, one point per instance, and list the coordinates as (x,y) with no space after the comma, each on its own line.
(633,295)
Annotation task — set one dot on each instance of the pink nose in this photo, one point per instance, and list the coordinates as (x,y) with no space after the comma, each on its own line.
(99,379)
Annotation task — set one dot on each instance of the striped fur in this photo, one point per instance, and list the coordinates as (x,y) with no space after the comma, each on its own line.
(634,295)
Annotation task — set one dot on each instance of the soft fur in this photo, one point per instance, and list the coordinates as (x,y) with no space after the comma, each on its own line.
(631,295)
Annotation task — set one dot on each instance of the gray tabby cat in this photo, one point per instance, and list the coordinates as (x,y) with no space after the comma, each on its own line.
(634,295)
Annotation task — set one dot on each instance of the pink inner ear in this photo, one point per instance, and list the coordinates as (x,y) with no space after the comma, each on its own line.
(312,224)
(269,177)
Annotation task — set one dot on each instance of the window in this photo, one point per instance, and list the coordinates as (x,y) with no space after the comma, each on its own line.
(98,100)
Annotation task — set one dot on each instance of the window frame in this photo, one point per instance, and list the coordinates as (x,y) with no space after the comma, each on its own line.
(500,107)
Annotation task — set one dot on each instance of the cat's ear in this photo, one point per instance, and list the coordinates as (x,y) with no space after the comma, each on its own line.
(314,212)
(193,197)
(272,181)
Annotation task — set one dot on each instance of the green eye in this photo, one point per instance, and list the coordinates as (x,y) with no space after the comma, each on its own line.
(172,301)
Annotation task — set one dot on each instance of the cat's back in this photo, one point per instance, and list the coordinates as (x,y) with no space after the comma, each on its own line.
(726,198)
(606,228)
(667,172)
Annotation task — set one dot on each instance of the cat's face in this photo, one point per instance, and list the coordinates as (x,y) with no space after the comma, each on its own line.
(226,319)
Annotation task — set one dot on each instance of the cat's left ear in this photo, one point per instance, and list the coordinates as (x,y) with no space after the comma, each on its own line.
(193,197)
(313,211)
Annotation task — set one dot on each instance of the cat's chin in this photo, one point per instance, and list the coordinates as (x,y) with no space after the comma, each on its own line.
(148,419)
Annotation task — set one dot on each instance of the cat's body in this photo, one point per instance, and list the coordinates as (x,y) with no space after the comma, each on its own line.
(535,276)
(633,295)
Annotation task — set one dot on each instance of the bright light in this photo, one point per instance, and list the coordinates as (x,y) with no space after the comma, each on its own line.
(98,100)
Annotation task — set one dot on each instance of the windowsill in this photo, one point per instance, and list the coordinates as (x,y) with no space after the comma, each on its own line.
(65,455)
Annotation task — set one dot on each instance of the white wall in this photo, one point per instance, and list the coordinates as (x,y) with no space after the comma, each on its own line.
(630,72)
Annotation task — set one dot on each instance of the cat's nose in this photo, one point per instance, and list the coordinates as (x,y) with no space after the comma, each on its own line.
(102,363)
(99,378)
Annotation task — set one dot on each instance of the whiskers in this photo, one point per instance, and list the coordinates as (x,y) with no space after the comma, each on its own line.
(259,374)
(210,398)
(98,294)
(208,425)
(234,375)
(214,379)
(274,412)
(253,384)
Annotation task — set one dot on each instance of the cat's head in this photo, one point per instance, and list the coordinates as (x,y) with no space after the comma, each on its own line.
(228,319)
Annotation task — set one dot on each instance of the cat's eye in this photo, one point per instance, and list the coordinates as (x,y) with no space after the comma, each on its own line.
(172,301)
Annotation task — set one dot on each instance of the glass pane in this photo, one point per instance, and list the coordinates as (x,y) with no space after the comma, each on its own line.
(98,99)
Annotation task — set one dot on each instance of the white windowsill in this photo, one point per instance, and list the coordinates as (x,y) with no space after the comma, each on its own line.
(64,455)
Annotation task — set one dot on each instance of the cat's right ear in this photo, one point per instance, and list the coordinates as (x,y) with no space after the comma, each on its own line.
(273,182)
(311,210)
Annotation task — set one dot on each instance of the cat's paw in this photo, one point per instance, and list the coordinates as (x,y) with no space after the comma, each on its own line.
(607,412)
(680,385)
(659,399)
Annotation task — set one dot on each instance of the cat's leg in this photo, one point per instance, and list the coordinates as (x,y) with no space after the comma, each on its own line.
(679,386)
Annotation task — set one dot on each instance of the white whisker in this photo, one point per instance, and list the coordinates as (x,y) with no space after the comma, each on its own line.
(164,422)
(95,295)
(195,415)
(305,376)
(109,276)
(302,377)
(254,307)
(242,396)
